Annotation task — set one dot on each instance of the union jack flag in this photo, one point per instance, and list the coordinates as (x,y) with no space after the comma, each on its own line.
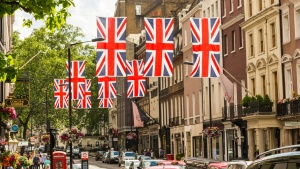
(159,46)
(77,78)
(86,102)
(105,103)
(136,81)
(111,53)
(107,87)
(206,47)
(60,94)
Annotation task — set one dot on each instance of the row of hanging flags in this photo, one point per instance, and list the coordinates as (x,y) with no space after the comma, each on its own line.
(111,59)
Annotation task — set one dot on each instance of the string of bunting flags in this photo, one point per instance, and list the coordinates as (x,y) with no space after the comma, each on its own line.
(111,59)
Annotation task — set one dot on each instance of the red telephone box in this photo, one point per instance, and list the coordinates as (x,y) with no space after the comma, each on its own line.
(59,160)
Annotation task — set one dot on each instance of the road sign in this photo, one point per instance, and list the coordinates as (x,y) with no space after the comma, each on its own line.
(23,143)
(17,102)
(84,155)
(15,128)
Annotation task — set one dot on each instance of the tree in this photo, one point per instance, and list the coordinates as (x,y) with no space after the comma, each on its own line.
(53,12)
(50,65)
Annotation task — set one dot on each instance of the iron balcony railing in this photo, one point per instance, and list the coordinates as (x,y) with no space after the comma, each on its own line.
(288,108)
(238,111)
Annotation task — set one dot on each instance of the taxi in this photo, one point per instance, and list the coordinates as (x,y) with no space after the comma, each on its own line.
(217,165)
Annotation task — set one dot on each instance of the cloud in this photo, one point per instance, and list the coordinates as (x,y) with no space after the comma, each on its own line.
(83,15)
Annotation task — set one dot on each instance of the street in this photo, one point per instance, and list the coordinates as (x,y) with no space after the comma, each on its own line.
(93,164)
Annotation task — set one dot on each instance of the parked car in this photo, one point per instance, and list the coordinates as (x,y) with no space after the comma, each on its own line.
(143,157)
(76,153)
(271,160)
(99,155)
(113,157)
(104,157)
(238,164)
(148,163)
(75,166)
(217,165)
(167,167)
(199,162)
(131,164)
(126,155)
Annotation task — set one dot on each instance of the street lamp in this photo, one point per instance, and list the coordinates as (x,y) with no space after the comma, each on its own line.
(210,114)
(69,85)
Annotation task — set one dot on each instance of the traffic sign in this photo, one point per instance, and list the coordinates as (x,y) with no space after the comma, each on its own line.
(15,128)
(84,155)
(17,102)
(23,143)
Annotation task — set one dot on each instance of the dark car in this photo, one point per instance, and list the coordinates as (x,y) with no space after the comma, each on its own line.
(113,157)
(270,160)
(76,153)
(99,155)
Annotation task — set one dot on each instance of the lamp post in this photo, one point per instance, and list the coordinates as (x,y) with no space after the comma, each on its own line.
(69,85)
(210,113)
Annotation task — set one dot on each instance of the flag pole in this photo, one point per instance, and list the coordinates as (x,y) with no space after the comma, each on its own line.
(237,81)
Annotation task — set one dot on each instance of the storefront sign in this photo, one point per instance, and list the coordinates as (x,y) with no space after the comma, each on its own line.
(291,123)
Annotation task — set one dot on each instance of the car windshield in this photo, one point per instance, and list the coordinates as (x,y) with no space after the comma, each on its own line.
(116,153)
(130,154)
(149,163)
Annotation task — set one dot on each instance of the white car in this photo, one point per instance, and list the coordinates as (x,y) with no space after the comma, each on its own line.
(131,164)
(238,164)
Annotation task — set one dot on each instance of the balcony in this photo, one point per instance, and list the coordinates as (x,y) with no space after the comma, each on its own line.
(289,109)
(175,121)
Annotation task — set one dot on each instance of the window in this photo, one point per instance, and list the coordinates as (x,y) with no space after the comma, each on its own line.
(297,22)
(251,44)
(260,5)
(217,8)
(225,45)
(286,28)
(273,35)
(261,40)
(224,8)
(250,8)
(204,15)
(253,85)
(208,12)
(263,83)
(233,41)
(212,10)
(241,37)
(231,6)
(271,2)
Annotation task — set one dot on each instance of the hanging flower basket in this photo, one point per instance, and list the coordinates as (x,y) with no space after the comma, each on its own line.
(212,132)
(71,135)
(46,138)
(131,136)
(8,113)
(9,159)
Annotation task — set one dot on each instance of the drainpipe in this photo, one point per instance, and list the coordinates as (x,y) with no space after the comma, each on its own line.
(281,51)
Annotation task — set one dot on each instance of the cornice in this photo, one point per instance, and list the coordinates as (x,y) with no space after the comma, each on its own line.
(190,13)
(261,17)
(232,21)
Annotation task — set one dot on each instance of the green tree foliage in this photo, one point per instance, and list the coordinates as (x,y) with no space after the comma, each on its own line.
(8,68)
(53,12)
(47,66)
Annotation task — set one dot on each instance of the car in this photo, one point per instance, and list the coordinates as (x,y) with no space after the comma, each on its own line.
(217,165)
(289,159)
(143,157)
(75,166)
(172,162)
(113,157)
(148,163)
(199,162)
(126,155)
(167,167)
(131,164)
(104,157)
(238,164)
(99,155)
(76,153)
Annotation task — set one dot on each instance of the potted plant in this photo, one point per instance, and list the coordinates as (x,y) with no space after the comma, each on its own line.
(131,136)
(211,132)
(71,135)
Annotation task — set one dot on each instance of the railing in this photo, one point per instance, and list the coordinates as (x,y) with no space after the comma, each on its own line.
(175,121)
(238,111)
(288,108)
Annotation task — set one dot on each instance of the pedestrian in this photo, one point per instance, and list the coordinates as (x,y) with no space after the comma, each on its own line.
(151,154)
(161,153)
(148,153)
(43,158)
(36,162)
(47,162)
(30,160)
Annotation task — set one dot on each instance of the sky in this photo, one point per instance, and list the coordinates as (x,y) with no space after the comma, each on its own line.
(83,15)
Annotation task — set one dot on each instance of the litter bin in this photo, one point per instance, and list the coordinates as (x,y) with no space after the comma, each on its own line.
(170,157)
